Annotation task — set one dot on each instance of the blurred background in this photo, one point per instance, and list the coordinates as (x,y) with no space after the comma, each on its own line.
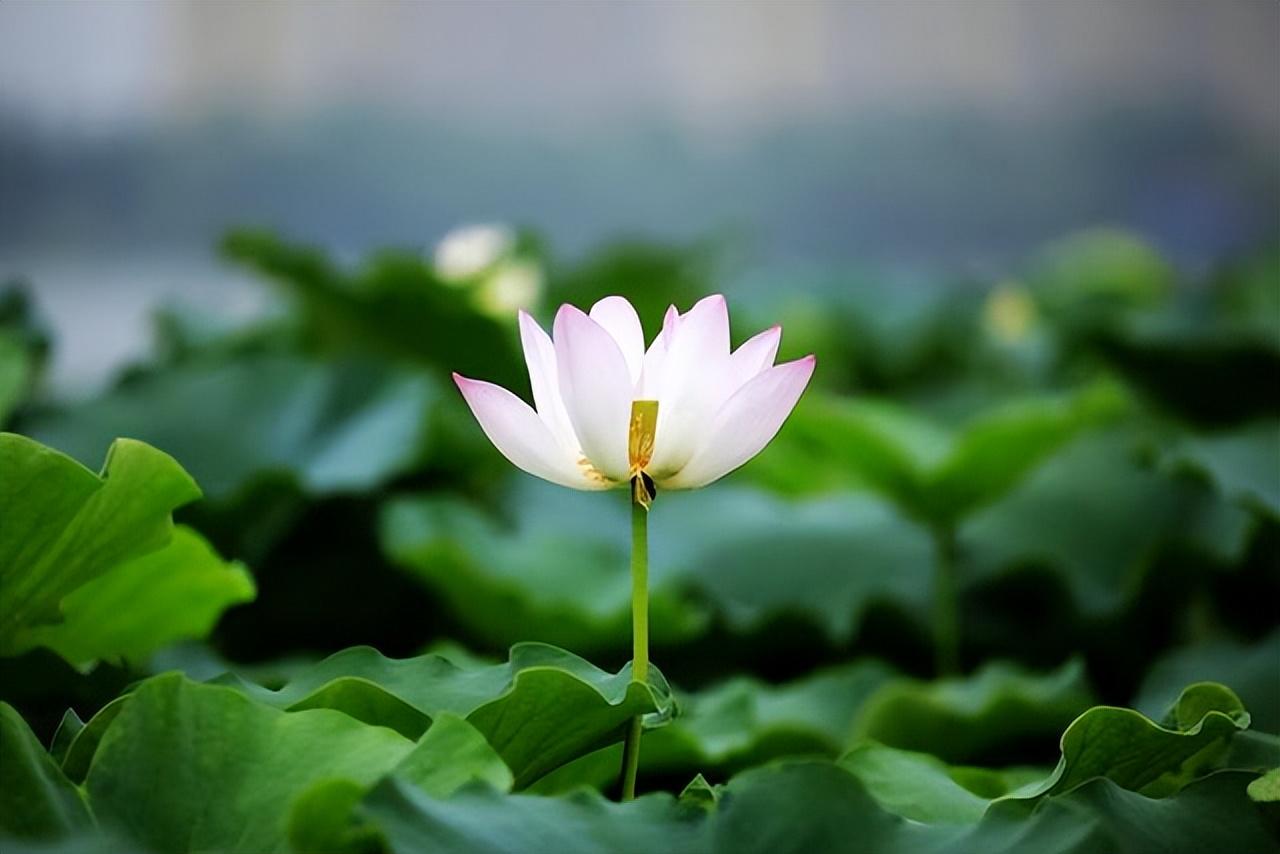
(917,137)
(1033,245)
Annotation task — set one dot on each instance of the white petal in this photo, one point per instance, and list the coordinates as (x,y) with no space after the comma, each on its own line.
(755,354)
(694,382)
(650,385)
(540,356)
(596,386)
(522,437)
(620,320)
(745,424)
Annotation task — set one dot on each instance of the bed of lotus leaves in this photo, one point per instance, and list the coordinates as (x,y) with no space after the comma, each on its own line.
(273,591)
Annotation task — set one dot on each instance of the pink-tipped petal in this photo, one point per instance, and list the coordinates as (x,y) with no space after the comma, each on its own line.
(694,382)
(650,385)
(540,356)
(597,390)
(755,354)
(620,320)
(522,437)
(745,424)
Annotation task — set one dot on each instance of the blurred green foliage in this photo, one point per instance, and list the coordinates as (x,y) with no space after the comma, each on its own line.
(1091,441)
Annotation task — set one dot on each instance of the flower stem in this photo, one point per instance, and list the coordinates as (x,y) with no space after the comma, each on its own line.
(946,606)
(639,633)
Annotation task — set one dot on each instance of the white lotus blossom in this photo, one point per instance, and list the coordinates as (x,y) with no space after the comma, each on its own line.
(684,412)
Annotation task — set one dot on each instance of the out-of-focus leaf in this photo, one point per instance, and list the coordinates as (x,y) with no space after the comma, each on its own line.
(531,583)
(392,305)
(520,706)
(64,526)
(935,476)
(651,276)
(36,800)
(177,748)
(965,720)
(146,603)
(16,372)
(1266,789)
(24,347)
(755,557)
(996,451)
(1109,517)
(1248,295)
(1204,373)
(1243,464)
(561,574)
(336,427)
(1252,671)
(1100,268)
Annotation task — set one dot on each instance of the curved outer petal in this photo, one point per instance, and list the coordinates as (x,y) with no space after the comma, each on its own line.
(694,381)
(619,319)
(596,386)
(745,424)
(540,356)
(754,355)
(522,437)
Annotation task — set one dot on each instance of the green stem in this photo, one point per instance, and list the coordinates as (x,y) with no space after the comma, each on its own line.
(946,620)
(639,637)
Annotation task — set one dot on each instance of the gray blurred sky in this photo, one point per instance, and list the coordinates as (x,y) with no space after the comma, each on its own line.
(950,135)
(713,67)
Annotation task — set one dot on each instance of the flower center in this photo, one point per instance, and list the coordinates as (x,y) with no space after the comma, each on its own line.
(644,428)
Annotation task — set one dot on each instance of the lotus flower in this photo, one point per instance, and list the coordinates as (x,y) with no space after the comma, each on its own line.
(682,413)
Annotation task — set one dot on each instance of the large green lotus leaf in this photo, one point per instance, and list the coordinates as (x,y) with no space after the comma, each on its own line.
(1120,745)
(811,806)
(739,723)
(968,719)
(146,603)
(521,706)
(329,427)
(1140,755)
(921,787)
(191,767)
(1252,671)
(64,526)
(1110,516)
(933,474)
(452,754)
(1243,463)
(1211,814)
(484,821)
(36,800)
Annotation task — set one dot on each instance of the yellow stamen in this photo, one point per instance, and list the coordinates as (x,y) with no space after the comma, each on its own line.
(644,428)
(593,474)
